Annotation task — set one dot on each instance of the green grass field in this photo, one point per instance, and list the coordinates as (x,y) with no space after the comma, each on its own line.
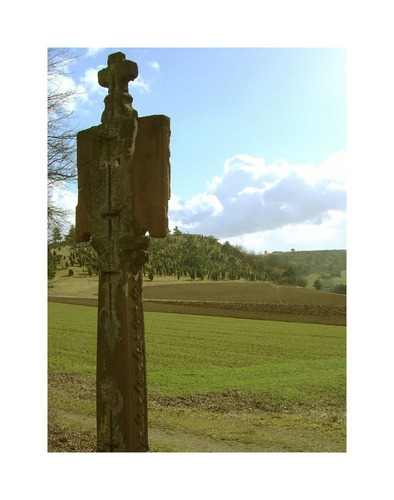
(214,384)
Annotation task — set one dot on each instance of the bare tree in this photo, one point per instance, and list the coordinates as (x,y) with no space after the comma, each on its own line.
(61,135)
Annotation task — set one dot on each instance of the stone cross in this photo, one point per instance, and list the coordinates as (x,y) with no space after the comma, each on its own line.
(123,192)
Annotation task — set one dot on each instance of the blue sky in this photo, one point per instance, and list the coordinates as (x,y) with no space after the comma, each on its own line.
(258,138)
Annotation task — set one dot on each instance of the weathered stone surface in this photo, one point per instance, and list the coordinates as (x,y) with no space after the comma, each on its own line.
(123,192)
(151,179)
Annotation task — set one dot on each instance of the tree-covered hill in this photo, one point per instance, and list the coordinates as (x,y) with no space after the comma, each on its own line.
(199,257)
(204,257)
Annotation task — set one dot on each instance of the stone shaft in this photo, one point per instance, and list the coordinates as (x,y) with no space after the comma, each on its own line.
(122,423)
(123,192)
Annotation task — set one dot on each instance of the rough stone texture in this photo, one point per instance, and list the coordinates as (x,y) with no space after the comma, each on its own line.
(123,192)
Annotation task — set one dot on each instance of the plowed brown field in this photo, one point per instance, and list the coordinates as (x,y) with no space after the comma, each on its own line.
(254,300)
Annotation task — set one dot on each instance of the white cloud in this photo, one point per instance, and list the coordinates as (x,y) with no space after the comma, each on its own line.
(141,84)
(154,65)
(92,51)
(260,199)
(89,81)
(329,235)
(189,212)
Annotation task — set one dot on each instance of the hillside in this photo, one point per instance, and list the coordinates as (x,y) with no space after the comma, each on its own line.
(199,257)
(204,257)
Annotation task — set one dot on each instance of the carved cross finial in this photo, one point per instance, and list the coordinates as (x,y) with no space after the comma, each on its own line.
(116,78)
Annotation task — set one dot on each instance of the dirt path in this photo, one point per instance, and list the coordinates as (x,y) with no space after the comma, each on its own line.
(185,442)
(160,439)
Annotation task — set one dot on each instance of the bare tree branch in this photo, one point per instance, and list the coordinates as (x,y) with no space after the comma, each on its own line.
(61,143)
